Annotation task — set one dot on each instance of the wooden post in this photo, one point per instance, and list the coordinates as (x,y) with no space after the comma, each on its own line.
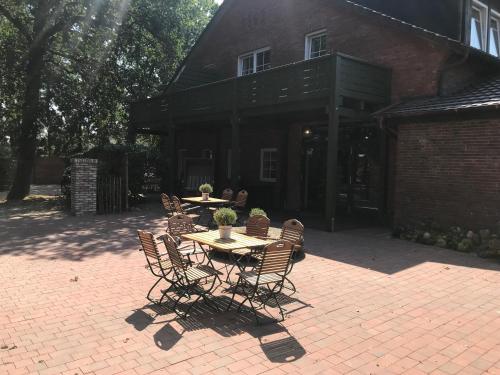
(235,152)
(294,159)
(172,158)
(332,153)
(382,138)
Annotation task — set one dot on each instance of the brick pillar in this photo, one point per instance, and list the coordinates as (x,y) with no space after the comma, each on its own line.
(294,168)
(83,186)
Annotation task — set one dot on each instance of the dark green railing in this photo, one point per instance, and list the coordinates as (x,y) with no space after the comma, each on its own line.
(297,82)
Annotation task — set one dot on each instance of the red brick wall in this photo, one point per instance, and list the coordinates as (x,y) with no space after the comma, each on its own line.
(283,24)
(449,171)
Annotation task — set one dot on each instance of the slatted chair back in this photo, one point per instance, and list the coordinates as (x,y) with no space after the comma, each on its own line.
(276,258)
(227,194)
(293,231)
(258,226)
(149,246)
(241,199)
(167,203)
(174,254)
(177,205)
(180,224)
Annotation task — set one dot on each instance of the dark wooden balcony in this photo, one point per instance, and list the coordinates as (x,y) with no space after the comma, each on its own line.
(301,85)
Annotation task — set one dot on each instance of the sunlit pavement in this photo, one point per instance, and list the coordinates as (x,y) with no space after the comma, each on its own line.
(72,300)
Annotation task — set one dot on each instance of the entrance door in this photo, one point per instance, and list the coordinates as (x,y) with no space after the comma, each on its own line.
(359,172)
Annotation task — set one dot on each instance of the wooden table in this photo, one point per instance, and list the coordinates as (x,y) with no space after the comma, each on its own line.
(205,214)
(210,201)
(237,241)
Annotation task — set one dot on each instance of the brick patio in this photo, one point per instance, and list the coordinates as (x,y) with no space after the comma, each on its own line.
(72,301)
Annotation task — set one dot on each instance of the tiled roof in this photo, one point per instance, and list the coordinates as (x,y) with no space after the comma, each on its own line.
(485,95)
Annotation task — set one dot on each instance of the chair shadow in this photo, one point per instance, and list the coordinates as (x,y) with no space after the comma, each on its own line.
(140,320)
(283,350)
(166,337)
(227,324)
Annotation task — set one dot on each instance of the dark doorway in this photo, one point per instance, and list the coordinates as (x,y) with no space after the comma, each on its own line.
(359,174)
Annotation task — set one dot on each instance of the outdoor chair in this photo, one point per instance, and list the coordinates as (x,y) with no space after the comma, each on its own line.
(267,280)
(179,225)
(179,209)
(240,202)
(191,279)
(168,205)
(227,194)
(292,231)
(257,226)
(159,264)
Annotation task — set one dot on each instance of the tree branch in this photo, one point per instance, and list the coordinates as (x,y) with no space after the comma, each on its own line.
(17,23)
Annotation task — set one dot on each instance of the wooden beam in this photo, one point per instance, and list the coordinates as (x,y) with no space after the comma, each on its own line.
(333,149)
(383,154)
(172,157)
(235,152)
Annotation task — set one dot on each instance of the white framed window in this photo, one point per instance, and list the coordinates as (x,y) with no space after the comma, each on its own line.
(494,47)
(269,164)
(254,62)
(316,45)
(478,25)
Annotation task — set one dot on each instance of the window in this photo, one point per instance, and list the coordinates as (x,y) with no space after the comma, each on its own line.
(254,62)
(268,164)
(485,33)
(494,47)
(316,45)
(478,27)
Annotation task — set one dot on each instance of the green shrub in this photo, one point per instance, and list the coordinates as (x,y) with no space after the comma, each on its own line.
(225,217)
(206,188)
(257,211)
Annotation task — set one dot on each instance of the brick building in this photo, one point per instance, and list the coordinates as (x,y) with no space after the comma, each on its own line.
(341,108)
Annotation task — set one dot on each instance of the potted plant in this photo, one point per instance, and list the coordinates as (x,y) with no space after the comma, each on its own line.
(257,212)
(205,190)
(225,219)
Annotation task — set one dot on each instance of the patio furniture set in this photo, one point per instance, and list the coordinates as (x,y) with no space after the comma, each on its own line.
(257,266)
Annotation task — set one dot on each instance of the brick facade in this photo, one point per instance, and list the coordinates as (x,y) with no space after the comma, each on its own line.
(415,61)
(449,171)
(83,186)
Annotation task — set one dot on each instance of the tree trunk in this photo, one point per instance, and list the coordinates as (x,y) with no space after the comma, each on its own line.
(26,150)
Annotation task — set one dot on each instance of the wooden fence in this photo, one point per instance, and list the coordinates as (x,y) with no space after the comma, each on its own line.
(110,195)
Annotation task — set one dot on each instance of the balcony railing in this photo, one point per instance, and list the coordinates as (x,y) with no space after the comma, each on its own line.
(305,81)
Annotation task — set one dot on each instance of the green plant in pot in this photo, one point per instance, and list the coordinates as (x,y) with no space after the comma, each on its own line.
(225,219)
(206,190)
(257,212)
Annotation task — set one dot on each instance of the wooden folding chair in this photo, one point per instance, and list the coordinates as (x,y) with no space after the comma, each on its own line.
(227,194)
(257,226)
(190,279)
(293,231)
(159,264)
(179,209)
(267,280)
(167,204)
(179,225)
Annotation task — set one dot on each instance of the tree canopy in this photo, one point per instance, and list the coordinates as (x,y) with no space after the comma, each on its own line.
(69,68)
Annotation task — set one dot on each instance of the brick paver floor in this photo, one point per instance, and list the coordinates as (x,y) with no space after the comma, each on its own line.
(72,301)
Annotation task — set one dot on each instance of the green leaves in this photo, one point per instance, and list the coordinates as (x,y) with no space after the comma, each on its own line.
(102,55)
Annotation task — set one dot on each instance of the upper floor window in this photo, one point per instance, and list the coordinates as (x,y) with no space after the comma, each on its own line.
(479,26)
(494,48)
(316,45)
(485,29)
(254,62)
